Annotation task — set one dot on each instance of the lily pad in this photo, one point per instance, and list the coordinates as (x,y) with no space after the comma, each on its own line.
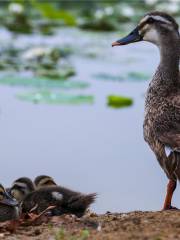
(132,76)
(109,77)
(56,74)
(119,101)
(42,82)
(138,76)
(50,97)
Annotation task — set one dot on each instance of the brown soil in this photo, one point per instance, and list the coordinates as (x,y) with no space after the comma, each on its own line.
(117,226)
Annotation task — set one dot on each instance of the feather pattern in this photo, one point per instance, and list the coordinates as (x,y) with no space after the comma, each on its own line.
(162,106)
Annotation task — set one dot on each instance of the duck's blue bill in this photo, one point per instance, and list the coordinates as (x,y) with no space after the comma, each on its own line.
(8,200)
(134,36)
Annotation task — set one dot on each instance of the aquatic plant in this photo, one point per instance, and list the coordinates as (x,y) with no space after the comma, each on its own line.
(138,76)
(44,61)
(119,101)
(44,16)
(108,77)
(55,73)
(51,11)
(49,97)
(18,19)
(39,82)
(133,76)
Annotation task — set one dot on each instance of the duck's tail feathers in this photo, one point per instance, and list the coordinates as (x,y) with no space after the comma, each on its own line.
(82,201)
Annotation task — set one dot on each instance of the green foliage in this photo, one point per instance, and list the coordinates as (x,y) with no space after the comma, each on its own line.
(108,77)
(61,234)
(84,234)
(96,15)
(133,76)
(138,76)
(119,101)
(49,10)
(56,74)
(49,97)
(104,24)
(39,82)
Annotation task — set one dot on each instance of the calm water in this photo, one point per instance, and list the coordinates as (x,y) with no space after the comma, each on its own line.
(87,148)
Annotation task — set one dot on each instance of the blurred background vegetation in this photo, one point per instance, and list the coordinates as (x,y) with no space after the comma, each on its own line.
(42,15)
(44,61)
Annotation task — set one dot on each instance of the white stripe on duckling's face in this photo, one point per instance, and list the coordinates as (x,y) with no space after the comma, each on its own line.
(58,196)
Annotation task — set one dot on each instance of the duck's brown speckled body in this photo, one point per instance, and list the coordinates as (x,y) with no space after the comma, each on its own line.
(162,105)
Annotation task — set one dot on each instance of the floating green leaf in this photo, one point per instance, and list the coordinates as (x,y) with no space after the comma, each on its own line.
(119,101)
(50,97)
(42,82)
(50,11)
(133,76)
(138,76)
(56,74)
(108,77)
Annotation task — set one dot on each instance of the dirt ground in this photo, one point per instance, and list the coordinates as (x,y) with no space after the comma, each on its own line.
(115,226)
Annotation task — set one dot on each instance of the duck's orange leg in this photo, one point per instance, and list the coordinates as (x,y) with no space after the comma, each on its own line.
(170,190)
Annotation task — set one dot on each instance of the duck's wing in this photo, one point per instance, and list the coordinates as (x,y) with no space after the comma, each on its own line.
(175,100)
(168,131)
(171,139)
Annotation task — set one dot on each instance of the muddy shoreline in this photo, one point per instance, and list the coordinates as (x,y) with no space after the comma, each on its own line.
(133,225)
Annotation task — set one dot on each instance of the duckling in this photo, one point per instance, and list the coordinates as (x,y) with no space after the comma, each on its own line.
(21,187)
(47,181)
(64,200)
(9,209)
(44,181)
(162,104)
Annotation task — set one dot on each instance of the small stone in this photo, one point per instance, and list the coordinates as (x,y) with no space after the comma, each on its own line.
(99,228)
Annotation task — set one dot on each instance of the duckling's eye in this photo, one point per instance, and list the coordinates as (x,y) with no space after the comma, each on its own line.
(150,20)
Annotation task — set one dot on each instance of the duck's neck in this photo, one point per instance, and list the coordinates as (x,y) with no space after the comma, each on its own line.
(169,63)
(167,74)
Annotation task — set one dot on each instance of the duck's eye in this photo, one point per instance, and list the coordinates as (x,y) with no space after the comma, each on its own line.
(150,20)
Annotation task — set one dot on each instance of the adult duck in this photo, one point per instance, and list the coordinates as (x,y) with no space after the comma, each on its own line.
(162,104)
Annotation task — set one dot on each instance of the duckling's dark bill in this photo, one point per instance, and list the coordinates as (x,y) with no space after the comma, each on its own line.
(8,200)
(134,36)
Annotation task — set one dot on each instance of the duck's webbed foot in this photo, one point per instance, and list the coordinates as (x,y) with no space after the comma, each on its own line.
(170,208)
(170,190)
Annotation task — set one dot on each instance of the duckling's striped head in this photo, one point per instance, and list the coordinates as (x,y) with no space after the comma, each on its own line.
(21,187)
(6,198)
(153,27)
(44,181)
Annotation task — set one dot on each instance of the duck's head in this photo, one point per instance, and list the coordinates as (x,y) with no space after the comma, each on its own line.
(154,27)
(21,187)
(44,181)
(6,198)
